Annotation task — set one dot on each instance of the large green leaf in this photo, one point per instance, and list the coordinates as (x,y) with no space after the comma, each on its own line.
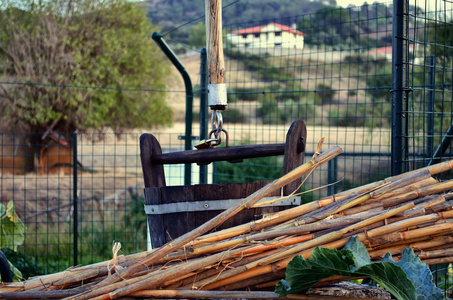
(410,279)
(12,229)
(419,273)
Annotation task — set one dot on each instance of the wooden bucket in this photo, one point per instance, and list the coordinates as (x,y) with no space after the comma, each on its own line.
(175,210)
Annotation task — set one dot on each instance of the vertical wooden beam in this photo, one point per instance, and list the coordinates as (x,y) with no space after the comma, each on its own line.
(296,139)
(214,42)
(153,176)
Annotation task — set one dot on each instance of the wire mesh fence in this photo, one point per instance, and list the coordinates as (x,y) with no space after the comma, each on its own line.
(332,68)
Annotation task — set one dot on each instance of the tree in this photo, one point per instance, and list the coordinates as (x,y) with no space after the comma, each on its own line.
(379,85)
(440,39)
(197,36)
(79,65)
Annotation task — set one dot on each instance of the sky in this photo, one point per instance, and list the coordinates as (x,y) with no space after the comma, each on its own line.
(346,3)
(431,4)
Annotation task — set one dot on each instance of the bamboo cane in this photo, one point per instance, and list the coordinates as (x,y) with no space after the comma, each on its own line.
(365,189)
(77,274)
(419,243)
(437,261)
(240,274)
(57,294)
(181,241)
(335,235)
(426,191)
(425,202)
(309,218)
(257,283)
(238,263)
(435,253)
(307,228)
(257,267)
(315,297)
(428,232)
(444,206)
(403,182)
(398,224)
(412,234)
(205,294)
(156,278)
(266,221)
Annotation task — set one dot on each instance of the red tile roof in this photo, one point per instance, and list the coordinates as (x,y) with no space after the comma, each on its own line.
(257,29)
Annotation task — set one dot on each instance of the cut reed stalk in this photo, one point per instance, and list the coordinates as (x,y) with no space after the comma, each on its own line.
(266,221)
(411,234)
(403,182)
(306,228)
(216,221)
(407,213)
(204,294)
(334,235)
(437,261)
(156,278)
(365,189)
(262,266)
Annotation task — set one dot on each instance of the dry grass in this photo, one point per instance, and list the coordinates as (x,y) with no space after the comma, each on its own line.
(50,198)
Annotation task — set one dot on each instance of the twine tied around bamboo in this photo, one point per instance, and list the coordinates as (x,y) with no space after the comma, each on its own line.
(116,247)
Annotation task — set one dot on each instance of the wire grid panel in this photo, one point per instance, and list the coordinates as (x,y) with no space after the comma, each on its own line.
(64,228)
(332,69)
(429,109)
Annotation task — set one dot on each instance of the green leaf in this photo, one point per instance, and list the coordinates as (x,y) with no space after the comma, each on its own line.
(418,273)
(302,274)
(12,229)
(409,279)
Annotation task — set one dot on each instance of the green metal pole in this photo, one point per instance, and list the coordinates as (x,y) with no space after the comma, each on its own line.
(203,108)
(400,88)
(158,38)
(74,201)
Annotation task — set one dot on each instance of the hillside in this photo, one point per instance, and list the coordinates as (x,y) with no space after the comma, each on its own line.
(169,13)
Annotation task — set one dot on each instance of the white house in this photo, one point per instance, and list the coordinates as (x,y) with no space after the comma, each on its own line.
(268,36)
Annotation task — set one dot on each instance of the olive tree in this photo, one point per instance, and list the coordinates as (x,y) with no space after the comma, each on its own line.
(77,65)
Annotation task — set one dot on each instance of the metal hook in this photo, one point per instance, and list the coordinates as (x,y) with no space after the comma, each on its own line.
(217,122)
(219,138)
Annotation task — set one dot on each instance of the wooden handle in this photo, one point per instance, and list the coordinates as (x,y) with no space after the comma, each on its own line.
(214,44)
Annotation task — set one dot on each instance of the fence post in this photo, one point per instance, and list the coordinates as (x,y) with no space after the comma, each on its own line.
(75,211)
(400,87)
(158,38)
(430,108)
(203,108)
(332,176)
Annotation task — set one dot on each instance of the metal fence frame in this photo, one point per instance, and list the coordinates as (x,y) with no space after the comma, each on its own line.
(403,154)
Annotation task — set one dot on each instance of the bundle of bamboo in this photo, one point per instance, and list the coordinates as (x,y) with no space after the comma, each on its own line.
(411,210)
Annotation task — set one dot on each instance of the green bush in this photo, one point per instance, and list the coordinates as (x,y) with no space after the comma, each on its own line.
(273,112)
(355,58)
(233,115)
(250,170)
(325,93)
(270,111)
(245,94)
(366,115)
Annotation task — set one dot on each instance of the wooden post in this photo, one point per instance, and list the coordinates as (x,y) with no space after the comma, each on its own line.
(214,43)
(217,92)
(153,175)
(296,139)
